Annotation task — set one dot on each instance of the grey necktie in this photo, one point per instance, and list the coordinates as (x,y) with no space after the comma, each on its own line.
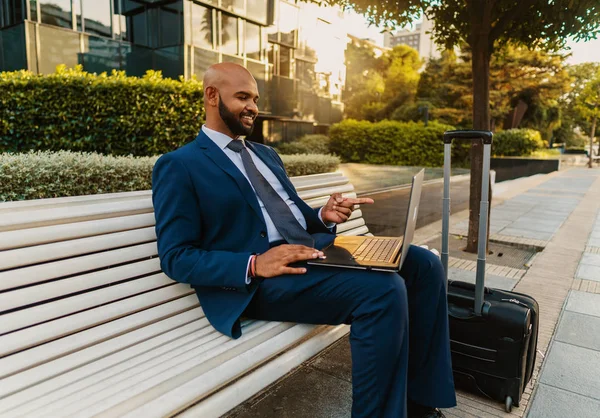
(280,213)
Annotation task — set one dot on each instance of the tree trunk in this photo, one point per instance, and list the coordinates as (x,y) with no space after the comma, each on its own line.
(481,46)
(592,135)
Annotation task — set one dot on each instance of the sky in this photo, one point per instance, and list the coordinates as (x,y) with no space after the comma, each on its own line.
(581,51)
(584,51)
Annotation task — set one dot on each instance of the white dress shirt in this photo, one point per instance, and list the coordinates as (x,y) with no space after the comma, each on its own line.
(222,140)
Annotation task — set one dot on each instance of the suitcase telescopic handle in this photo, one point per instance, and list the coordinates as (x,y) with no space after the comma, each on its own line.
(486,137)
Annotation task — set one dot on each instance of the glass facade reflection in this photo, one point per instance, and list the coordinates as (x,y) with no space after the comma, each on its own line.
(56,13)
(294,50)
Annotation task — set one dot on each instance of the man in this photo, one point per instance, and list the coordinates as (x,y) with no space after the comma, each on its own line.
(230,223)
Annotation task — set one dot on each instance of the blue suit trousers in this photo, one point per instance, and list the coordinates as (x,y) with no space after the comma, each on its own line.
(399,328)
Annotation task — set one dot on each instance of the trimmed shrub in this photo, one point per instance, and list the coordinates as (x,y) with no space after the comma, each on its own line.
(516,142)
(108,114)
(308,144)
(45,174)
(393,143)
(304,164)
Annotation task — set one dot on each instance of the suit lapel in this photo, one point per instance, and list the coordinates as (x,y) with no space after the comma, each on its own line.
(217,155)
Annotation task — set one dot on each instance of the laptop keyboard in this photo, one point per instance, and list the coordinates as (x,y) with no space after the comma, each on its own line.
(374,249)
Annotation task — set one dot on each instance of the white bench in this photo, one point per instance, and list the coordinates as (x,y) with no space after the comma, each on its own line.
(90,326)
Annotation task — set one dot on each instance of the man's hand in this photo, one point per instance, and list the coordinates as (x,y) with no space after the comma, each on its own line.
(338,208)
(275,261)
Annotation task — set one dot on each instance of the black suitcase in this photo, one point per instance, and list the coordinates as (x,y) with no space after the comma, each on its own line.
(493,333)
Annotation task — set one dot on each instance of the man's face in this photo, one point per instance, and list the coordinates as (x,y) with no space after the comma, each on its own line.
(239,123)
(238,105)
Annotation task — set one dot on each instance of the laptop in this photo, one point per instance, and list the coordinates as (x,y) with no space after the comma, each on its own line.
(375,253)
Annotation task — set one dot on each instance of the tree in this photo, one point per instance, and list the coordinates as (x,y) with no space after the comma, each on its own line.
(375,86)
(485,25)
(364,82)
(588,103)
(580,74)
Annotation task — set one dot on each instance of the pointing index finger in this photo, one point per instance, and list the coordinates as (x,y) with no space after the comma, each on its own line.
(359,200)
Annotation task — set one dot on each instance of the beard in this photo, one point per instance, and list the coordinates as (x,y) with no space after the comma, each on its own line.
(233,121)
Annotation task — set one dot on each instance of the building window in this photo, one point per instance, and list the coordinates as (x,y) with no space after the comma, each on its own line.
(33,8)
(257,10)
(202,26)
(56,13)
(234,6)
(285,61)
(97,17)
(229,34)
(288,24)
(305,73)
(253,41)
(170,23)
(119,21)
(11,12)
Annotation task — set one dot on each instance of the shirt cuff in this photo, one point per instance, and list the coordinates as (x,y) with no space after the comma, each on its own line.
(248,278)
(328,225)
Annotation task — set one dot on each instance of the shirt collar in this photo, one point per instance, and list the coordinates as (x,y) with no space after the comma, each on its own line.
(218,138)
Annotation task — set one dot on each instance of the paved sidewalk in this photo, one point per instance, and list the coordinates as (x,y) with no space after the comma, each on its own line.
(558,215)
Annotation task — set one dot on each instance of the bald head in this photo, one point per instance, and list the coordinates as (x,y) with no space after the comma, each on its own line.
(230,99)
(222,74)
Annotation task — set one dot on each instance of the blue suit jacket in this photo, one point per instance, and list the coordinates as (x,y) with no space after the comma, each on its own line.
(209,222)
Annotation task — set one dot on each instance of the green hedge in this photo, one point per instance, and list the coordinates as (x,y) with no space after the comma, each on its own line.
(308,144)
(304,164)
(109,114)
(44,174)
(517,142)
(393,143)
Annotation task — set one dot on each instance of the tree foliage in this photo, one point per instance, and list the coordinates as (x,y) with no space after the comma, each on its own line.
(376,85)
(588,101)
(534,23)
(536,78)
(572,118)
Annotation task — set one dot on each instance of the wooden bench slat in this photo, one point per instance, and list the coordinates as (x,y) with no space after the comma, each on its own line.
(55,269)
(349,225)
(325,192)
(57,202)
(64,346)
(68,214)
(315,178)
(363,230)
(337,179)
(335,182)
(47,234)
(56,387)
(48,252)
(61,288)
(48,311)
(61,327)
(161,401)
(131,382)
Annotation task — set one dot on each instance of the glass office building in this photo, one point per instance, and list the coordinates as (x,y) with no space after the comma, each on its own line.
(294,50)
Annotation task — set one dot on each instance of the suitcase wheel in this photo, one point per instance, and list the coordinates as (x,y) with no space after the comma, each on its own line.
(508,404)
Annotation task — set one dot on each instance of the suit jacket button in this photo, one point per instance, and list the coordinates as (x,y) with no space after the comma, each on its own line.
(263,234)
